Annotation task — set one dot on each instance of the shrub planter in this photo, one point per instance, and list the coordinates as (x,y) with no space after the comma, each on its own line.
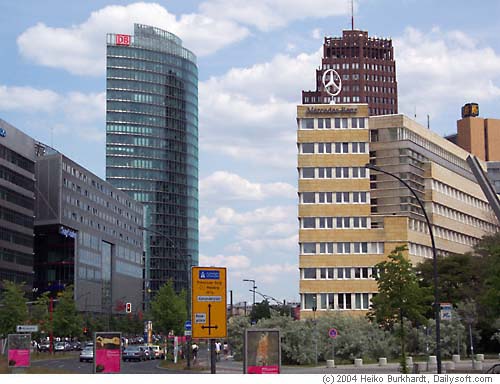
(330,363)
(358,362)
(382,361)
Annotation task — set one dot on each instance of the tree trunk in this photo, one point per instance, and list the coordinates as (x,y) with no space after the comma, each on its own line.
(404,368)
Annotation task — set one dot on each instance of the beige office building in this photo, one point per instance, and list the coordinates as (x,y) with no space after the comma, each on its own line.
(351,218)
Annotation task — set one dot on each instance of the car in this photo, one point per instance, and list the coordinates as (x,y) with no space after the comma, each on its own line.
(158,351)
(495,369)
(62,346)
(149,352)
(76,346)
(133,352)
(87,354)
(44,346)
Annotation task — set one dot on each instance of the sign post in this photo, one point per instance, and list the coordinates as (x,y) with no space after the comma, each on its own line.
(107,352)
(333,333)
(19,347)
(446,311)
(262,351)
(209,312)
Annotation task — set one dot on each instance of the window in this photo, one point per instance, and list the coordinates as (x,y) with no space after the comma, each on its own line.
(307,147)
(309,273)
(309,248)
(324,148)
(341,147)
(324,173)
(325,197)
(308,197)
(341,172)
(309,300)
(307,123)
(325,248)
(342,197)
(308,173)
(308,222)
(324,123)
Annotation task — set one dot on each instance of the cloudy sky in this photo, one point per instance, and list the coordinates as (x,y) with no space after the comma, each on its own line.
(254,57)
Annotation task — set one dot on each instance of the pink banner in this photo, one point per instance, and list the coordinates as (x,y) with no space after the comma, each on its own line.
(107,360)
(19,358)
(270,369)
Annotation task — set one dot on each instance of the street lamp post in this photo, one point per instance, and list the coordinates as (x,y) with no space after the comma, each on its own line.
(253,289)
(434,256)
(314,308)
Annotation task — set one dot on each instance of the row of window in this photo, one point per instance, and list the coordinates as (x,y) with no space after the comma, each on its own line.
(128,269)
(100,186)
(16,237)
(338,123)
(101,214)
(342,248)
(377,89)
(17,179)
(11,256)
(459,195)
(367,66)
(338,147)
(338,273)
(16,218)
(16,159)
(16,198)
(462,217)
(87,273)
(323,301)
(356,222)
(333,173)
(158,121)
(334,197)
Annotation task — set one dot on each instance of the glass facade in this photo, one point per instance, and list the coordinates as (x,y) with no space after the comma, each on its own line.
(152,144)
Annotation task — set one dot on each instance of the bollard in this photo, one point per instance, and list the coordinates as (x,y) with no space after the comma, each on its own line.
(432,360)
(477,365)
(330,363)
(409,361)
(480,357)
(455,358)
(382,361)
(358,362)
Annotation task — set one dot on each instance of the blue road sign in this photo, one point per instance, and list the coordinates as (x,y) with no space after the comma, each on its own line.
(208,274)
(332,332)
(187,325)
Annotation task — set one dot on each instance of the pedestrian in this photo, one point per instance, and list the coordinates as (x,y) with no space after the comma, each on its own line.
(217,350)
(195,351)
(226,350)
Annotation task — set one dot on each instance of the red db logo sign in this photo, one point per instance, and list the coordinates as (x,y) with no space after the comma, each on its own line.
(122,40)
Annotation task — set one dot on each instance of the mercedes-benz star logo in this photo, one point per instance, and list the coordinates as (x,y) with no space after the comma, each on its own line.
(332,82)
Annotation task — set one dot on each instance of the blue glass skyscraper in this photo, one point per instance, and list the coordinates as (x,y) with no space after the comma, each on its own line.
(152,144)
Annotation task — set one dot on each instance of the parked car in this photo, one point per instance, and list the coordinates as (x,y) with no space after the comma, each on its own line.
(76,346)
(62,346)
(87,354)
(44,346)
(158,351)
(148,352)
(133,352)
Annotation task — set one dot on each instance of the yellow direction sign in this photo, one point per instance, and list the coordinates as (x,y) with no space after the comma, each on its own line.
(209,302)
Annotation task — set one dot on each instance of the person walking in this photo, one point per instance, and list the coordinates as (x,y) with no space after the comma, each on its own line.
(218,346)
(194,348)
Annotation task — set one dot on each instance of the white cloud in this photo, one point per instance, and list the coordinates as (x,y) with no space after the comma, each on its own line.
(73,113)
(267,15)
(27,99)
(231,262)
(437,69)
(249,113)
(80,49)
(316,33)
(228,186)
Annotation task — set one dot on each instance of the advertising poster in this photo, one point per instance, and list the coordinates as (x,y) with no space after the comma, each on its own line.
(107,354)
(262,351)
(19,350)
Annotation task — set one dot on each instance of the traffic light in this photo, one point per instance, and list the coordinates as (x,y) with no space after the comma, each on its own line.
(128,307)
(85,331)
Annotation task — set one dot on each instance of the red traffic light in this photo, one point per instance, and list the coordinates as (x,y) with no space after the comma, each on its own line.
(128,307)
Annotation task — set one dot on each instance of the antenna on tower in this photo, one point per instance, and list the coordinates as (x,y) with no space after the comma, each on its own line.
(352,15)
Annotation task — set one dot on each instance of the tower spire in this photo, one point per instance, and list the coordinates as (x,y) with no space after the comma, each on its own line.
(352,15)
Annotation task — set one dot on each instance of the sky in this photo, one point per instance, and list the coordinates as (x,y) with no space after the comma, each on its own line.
(254,58)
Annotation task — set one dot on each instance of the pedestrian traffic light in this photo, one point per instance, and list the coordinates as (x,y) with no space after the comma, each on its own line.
(85,331)
(128,307)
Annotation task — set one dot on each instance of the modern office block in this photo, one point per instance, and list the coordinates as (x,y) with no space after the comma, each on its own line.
(152,144)
(87,234)
(351,218)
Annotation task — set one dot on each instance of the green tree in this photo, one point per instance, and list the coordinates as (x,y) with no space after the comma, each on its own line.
(399,296)
(169,310)
(260,311)
(67,322)
(13,307)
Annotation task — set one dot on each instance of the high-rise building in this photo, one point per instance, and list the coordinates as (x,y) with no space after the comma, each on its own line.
(367,70)
(17,202)
(351,218)
(86,235)
(152,144)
